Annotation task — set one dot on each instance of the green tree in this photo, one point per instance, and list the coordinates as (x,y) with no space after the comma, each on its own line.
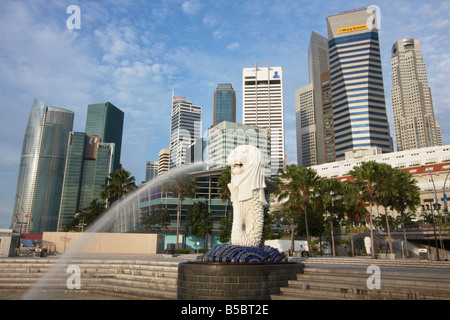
(224,192)
(223,181)
(267,229)
(354,207)
(87,216)
(295,189)
(327,199)
(155,219)
(224,233)
(117,185)
(200,221)
(183,186)
(316,225)
(366,177)
(385,192)
(407,196)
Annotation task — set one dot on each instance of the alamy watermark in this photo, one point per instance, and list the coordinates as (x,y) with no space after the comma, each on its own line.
(74,280)
(374,280)
(374,20)
(74,20)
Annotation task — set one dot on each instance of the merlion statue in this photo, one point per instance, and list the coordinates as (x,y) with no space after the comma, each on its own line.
(247,195)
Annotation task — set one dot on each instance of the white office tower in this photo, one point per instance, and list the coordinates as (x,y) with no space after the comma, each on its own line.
(308,106)
(414,121)
(186,127)
(226,136)
(263,107)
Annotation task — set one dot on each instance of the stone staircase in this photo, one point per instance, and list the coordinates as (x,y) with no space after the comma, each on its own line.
(127,279)
(344,281)
(366,261)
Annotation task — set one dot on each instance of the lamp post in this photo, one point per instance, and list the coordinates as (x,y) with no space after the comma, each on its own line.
(432,213)
(81,224)
(445,198)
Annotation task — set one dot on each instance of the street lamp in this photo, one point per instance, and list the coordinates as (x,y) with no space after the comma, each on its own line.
(81,224)
(434,205)
(445,198)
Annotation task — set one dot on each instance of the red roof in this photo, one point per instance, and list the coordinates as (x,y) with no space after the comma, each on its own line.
(32,236)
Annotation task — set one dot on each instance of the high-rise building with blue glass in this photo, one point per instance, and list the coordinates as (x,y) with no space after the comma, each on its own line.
(88,163)
(224,103)
(359,109)
(105,120)
(41,170)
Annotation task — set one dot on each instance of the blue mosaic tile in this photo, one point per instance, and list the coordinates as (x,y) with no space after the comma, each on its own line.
(240,254)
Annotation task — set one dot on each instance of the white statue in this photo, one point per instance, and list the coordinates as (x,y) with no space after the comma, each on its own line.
(247,195)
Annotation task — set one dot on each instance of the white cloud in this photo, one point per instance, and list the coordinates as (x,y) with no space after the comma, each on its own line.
(233,46)
(191,6)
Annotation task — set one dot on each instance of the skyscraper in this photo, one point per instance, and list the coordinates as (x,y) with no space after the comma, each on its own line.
(359,109)
(305,126)
(414,121)
(263,107)
(328,120)
(88,163)
(163,161)
(309,108)
(186,127)
(105,120)
(41,171)
(151,170)
(224,103)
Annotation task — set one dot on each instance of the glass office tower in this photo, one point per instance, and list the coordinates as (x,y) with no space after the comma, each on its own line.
(105,120)
(359,109)
(41,171)
(224,104)
(89,162)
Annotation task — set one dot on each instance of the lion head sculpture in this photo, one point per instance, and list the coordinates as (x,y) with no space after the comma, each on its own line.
(247,194)
(247,172)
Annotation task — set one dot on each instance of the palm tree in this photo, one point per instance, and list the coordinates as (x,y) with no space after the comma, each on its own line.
(366,177)
(200,222)
(223,181)
(224,191)
(407,195)
(117,184)
(385,193)
(327,193)
(183,186)
(355,206)
(295,187)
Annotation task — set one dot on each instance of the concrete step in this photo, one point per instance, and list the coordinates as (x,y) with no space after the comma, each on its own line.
(142,280)
(328,282)
(362,292)
(411,263)
(135,293)
(361,282)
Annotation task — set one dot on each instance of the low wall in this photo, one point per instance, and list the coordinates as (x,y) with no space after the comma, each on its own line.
(233,281)
(127,243)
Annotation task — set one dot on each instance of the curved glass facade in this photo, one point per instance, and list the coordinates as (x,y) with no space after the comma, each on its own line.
(41,170)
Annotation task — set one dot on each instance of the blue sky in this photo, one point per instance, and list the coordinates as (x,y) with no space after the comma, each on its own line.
(132,53)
